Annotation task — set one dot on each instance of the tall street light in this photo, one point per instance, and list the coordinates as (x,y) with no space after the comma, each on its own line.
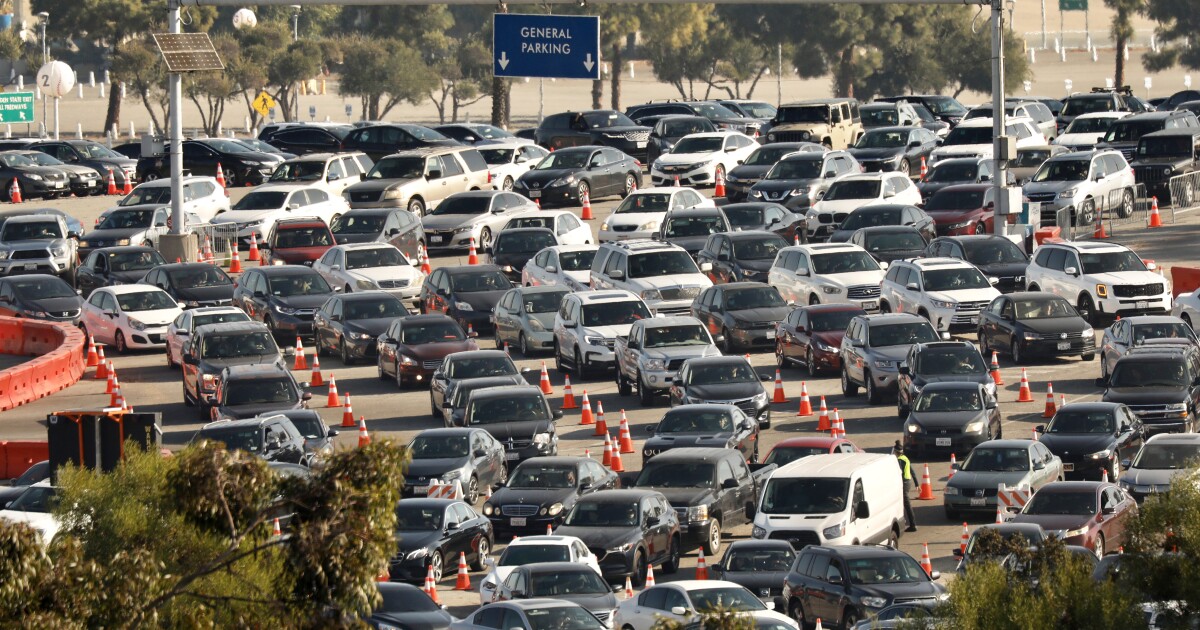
(45,19)
(296,38)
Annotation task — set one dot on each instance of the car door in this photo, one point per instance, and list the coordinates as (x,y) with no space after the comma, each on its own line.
(324,266)
(411,236)
(910,291)
(200,159)
(650,604)
(833,589)
(992,324)
(815,591)
(571,231)
(454,174)
(178,334)
(255,299)
(1130,436)
(1116,340)
(852,352)
(95,319)
(729,500)
(1112,516)
(455,537)
(655,530)
(506,316)
(723,267)
(795,335)
(702,306)
(88,275)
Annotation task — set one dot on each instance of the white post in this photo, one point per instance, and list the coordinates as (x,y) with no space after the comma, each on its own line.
(132,131)
(7,131)
(122,90)
(21,82)
(219,126)
(56,100)
(79,131)
(102,90)
(247,124)
(91,79)
(81,91)
(630,69)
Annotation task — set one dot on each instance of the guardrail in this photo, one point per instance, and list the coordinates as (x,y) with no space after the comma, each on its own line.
(58,359)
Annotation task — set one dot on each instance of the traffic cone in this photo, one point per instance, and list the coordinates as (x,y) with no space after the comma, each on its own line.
(1099,231)
(624,439)
(316,380)
(701,566)
(425,268)
(332,400)
(617,466)
(839,425)
(996,369)
(538,203)
(924,169)
(549,529)
(719,188)
(112,184)
(999,514)
(472,257)
(677,184)
(1104,475)
(962,545)
(300,363)
(220,175)
(1062,401)
(607,460)
(235,264)
(926,486)
(586,214)
(253,255)
(93,359)
(586,414)
(115,399)
(1024,395)
(805,404)
(925,562)
(128,188)
(276,530)
(819,626)
(953,463)
(568,395)
(1155,218)
(796,239)
(111,385)
(823,421)
(431,586)
(364,438)
(102,366)
(1050,410)
(601,425)
(463,583)
(347,412)
(779,397)
(14,192)
(628,588)
(544,383)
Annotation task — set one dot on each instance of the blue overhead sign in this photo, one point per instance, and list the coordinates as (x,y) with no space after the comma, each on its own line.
(546,46)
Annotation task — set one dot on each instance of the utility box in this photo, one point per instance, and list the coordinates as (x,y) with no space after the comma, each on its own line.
(1006,148)
(97,439)
(1010,201)
(153,144)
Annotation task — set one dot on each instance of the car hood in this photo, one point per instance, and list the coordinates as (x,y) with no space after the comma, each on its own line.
(1053,522)
(374,327)
(599,537)
(304,301)
(677,281)
(681,352)
(409,540)
(346,238)
(982,378)
(1076,443)
(609,332)
(946,419)
(895,254)
(593,602)
(1127,277)
(423,469)
(1153,477)
(128,277)
(532,496)
(76,169)
(216,364)
(876,154)
(545,319)
(857,277)
(776,185)
(8,493)
(432,620)
(750,171)
(1076,139)
(893,353)
(438,350)
(517,430)
(481,300)
(844,205)
(671,159)
(928,188)
(545,177)
(944,217)
(511,259)
(244,216)
(242,412)
(1004,270)
(956,150)
(755,580)
(1056,324)
(724,391)
(907,590)
(1054,187)
(765,314)
(985,295)
(1145,395)
(378,185)
(115,234)
(204,294)
(683,497)
(395,272)
(635,218)
(988,479)
(157,317)
(44,523)
(56,304)
(450,221)
(756,265)
(677,440)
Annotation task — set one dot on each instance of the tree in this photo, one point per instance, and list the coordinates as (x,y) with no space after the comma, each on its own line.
(139,63)
(465,72)
(1122,31)
(962,49)
(248,67)
(1178,22)
(212,89)
(300,61)
(368,72)
(676,44)
(1166,522)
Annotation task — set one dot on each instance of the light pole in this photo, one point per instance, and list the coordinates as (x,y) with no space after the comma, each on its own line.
(296,38)
(45,19)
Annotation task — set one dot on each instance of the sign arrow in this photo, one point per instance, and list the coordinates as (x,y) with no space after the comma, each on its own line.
(503,61)
(589,64)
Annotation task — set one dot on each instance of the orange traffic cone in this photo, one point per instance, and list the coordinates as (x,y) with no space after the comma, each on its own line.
(701,566)
(1099,231)
(805,404)
(601,425)
(431,586)
(115,399)
(796,239)
(102,366)
(779,397)
(544,383)
(568,395)
(364,438)
(650,576)
(332,400)
(93,359)
(463,583)
(425,268)
(962,545)
(924,169)
(628,589)
(1050,410)
(316,380)
(586,214)
(347,412)
(220,175)
(1155,218)
(300,363)
(112,184)
(472,256)
(607,461)
(677,184)
(823,421)
(253,255)
(953,463)
(617,466)
(839,427)
(925,562)
(1104,475)
(819,626)
(624,439)
(14,192)
(128,188)
(586,414)
(1024,395)
(999,514)
(111,385)
(996,369)
(235,263)
(926,486)
(719,188)
(276,530)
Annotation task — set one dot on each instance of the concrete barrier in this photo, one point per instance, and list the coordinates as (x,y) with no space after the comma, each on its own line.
(59,361)
(1184,280)
(17,456)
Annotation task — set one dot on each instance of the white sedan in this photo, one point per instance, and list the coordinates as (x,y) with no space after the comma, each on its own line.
(35,507)
(568,266)
(528,549)
(1186,307)
(180,331)
(129,316)
(680,601)
(262,207)
(566,226)
(370,267)
(640,214)
(697,159)
(507,161)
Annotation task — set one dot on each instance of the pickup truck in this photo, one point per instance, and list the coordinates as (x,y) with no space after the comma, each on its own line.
(709,488)
(650,356)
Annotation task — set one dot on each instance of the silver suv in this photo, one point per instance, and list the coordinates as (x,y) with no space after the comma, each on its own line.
(420,179)
(875,346)
(586,328)
(663,275)
(39,243)
(1081,183)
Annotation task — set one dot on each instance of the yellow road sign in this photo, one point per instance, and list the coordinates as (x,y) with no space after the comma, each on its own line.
(263,103)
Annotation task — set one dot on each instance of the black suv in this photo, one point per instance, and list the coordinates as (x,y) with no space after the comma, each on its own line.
(1161,387)
(627,531)
(518,417)
(1165,154)
(193,284)
(378,141)
(668,130)
(600,126)
(202,157)
(1123,135)
(246,391)
(274,438)
(939,362)
(721,116)
(846,583)
(214,347)
(995,256)
(946,108)
(720,379)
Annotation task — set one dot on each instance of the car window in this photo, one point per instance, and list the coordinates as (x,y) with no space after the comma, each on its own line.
(1056,259)
(673,599)
(819,567)
(491,617)
(653,598)
(450,166)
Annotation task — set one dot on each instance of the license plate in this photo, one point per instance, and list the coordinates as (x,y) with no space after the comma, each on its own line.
(870,305)
(58,184)
(641,144)
(1142,304)
(534,194)
(517,521)
(511,455)
(435,239)
(1064,345)
(977,502)
(1068,467)
(770,334)
(974,319)
(941,441)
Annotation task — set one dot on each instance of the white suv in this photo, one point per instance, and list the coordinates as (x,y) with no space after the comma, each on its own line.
(973,138)
(586,328)
(662,274)
(856,191)
(947,291)
(827,273)
(1083,183)
(1102,280)
(333,172)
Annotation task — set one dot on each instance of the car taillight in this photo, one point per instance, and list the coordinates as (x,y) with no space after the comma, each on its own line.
(489,177)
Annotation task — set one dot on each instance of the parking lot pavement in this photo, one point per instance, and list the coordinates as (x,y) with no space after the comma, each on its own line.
(150,386)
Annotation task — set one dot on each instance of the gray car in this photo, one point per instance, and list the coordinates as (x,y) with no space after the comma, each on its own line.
(873,348)
(131,225)
(37,244)
(1009,462)
(455,404)
(567,581)
(524,317)
(1161,459)
(318,437)
(93,155)
(471,457)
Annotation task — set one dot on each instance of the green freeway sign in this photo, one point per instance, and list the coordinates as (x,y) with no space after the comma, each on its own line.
(16,107)
(1072,5)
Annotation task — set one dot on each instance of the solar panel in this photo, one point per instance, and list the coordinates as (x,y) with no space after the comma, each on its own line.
(188,52)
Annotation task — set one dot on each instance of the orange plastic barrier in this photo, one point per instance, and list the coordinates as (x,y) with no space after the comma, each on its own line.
(17,457)
(59,361)
(1184,279)
(1049,232)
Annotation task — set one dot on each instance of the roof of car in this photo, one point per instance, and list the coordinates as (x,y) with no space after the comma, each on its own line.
(208,310)
(1008,443)
(526,604)
(1073,486)
(592,297)
(961,160)
(358,246)
(717,360)
(1152,319)
(460,270)
(889,229)
(370,211)
(34,218)
(1088,407)
(951,386)
(363,296)
(699,407)
(524,230)
(698,211)
(738,286)
(724,133)
(757,544)
(1186,132)
(823,248)
(744,235)
(321,157)
(693,454)
(256,370)
(477,354)
(236,424)
(506,391)
(860,551)
(819,101)
(671,320)
(620,495)
(426,317)
(556,460)
(272,271)
(231,327)
(1011,528)
(126,249)
(662,190)
(831,308)
(123,289)
(938,263)
(544,288)
(1173,438)
(1031,295)
(422,502)
(446,431)
(542,539)
(1088,246)
(557,567)
(175,266)
(426,151)
(880,319)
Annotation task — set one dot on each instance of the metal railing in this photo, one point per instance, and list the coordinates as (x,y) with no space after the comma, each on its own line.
(1112,211)
(1183,191)
(221,238)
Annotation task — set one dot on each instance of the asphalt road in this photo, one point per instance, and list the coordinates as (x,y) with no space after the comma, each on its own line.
(150,386)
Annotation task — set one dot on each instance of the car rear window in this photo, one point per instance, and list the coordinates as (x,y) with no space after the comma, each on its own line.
(474,160)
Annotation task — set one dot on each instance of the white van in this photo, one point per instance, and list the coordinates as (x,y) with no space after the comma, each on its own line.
(834,499)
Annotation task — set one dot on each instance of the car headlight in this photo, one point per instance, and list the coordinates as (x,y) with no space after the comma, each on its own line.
(912,427)
(541,439)
(592,340)
(135,324)
(59,250)
(464,229)
(657,165)
(407,360)
(837,531)
(771,137)
(42,314)
(882,363)
(1088,333)
(360,335)
(488,509)
(943,304)
(536,326)
(83,243)
(973,427)
(123,242)
(757,194)
(799,192)
(452,475)
(1068,193)
(656,365)
(758,532)
(1105,454)
(1177,408)
(831,290)
(604,226)
(873,602)
(824,347)
(950,491)
(651,294)
(649,225)
(620,548)
(555,509)
(1102,290)
(395,193)
(1031,336)
(959,225)
(417,553)
(463,306)
(696,513)
(34,176)
(286,310)
(379,625)
(366,285)
(1070,533)
(731,178)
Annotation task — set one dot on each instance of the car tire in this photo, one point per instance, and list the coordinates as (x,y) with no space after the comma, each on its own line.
(436,566)
(849,618)
(382,374)
(1187,196)
(874,396)
(581,371)
(670,566)
(1187,319)
(485,238)
(630,185)
(523,344)
(849,389)
(472,491)
(1086,308)
(982,342)
(583,190)
(780,361)
(712,540)
(187,400)
(726,342)
(507,184)
(400,384)
(121,345)
(171,364)
(645,396)
(149,176)
(434,412)
(639,570)
(904,167)
(1015,352)
(1098,547)
(1086,214)
(483,549)
(885,308)
(318,347)
(624,388)
(810,363)
(1114,469)
(1090,356)
(347,289)
(796,612)
(813,300)
(498,339)
(345,352)
(558,362)
(1125,210)
(416,206)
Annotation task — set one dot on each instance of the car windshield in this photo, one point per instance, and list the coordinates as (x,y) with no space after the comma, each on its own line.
(94,150)
(439,446)
(783,455)
(562,618)
(576,261)
(961,135)
(30,231)
(675,475)
(582,581)
(901,334)
(248,344)
(644,202)
(306,284)
(948,400)
(478,367)
(1149,374)
(134,260)
(1079,421)
(205,319)
(309,425)
(518,408)
(543,302)
(854,189)
(463,204)
(406,600)
(35,499)
(890,569)
(359,224)
(795,169)
(682,227)
(871,217)
(479,282)
(418,519)
(147,195)
(805,495)
(227,146)
(755,297)
(893,242)
(374,308)
(1111,262)
(1167,456)
(993,251)
(763,248)
(831,321)
(614,313)
(1131,130)
(398,168)
(995,459)
(691,421)
(145,301)
(721,373)
(262,200)
(41,288)
(237,439)
(677,336)
(943,361)
(1089,125)
(878,117)
(261,391)
(126,219)
(16,159)
(1030,158)
(431,332)
(523,242)
(882,139)
(605,119)
(758,560)
(1047,308)
(803,114)
(954,172)
(706,144)
(496,157)
(518,555)
(731,598)
(668,263)
(685,127)
(768,155)
(568,160)
(302,171)
(1087,105)
(198,276)
(375,257)
(539,476)
(843,262)
(745,217)
(1072,170)
(1081,503)
(954,279)
(1165,147)
(955,200)
(1164,330)
(603,514)
(292,238)
(944,105)
(756,109)
(533,221)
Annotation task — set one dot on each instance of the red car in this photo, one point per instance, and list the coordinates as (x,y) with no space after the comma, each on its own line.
(298,242)
(1090,514)
(963,209)
(812,335)
(413,347)
(792,449)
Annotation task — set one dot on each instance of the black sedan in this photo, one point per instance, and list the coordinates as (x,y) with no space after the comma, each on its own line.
(94,155)
(475,133)
(349,324)
(1034,324)
(740,256)
(406,606)
(193,284)
(84,179)
(566,581)
(690,228)
(239,165)
(758,565)
(285,298)
(431,533)
(35,181)
(512,248)
(460,366)
(39,296)
(1092,438)
(758,163)
(455,406)
(705,424)
(667,130)
(714,379)
(996,256)
(885,214)
(886,243)
(628,531)
(466,293)
(743,314)
(305,139)
(108,266)
(951,417)
(899,149)
(567,175)
(542,490)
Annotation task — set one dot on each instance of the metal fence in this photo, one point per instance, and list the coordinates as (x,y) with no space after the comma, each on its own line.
(1112,211)
(1085,40)
(1183,192)
(220,238)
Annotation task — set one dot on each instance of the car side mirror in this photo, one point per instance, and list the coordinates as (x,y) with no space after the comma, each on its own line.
(678,610)
(1036,465)
(914,144)
(730,149)
(480,452)
(335,268)
(433,174)
(190,359)
(1041,428)
(558,414)
(333,177)
(718,568)
(332,433)
(1125,464)
(903,369)
(653,520)
(1101,382)
(616,274)
(802,272)
(651,429)
(305,395)
(260,294)
(452,526)
(518,594)
(722,257)
(551,269)
(935,575)
(993,280)
(729,484)
(706,266)
(985,178)
(1071,271)
(76,234)
(957,552)
(862,510)
(912,286)
(1108,509)
(830,174)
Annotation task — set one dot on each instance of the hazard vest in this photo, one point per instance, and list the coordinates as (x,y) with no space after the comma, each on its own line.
(906,466)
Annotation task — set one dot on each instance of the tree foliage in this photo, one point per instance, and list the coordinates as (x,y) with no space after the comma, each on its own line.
(368,72)
(1178,22)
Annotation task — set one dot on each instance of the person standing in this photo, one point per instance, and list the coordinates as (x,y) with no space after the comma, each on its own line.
(908,479)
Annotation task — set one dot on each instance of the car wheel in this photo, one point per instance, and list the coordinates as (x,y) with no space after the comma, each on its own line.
(726,341)
(472,494)
(318,347)
(122,348)
(981,227)
(1087,213)
(1187,195)
(1034,288)
(1114,469)
(399,379)
(558,362)
(170,361)
(624,388)
(382,374)
(874,396)
(639,574)
(583,190)
(346,358)
(630,185)
(810,363)
(1126,209)
(580,367)
(485,239)
(498,339)
(434,411)
(712,542)
(670,566)
(983,344)
(849,389)
(885,308)
(797,614)
(780,361)
(1015,351)
(1098,547)
(483,549)
(1103,366)
(508,183)
(645,396)
(813,300)
(187,400)
(849,619)
(523,342)
(435,566)
(1087,309)
(416,207)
